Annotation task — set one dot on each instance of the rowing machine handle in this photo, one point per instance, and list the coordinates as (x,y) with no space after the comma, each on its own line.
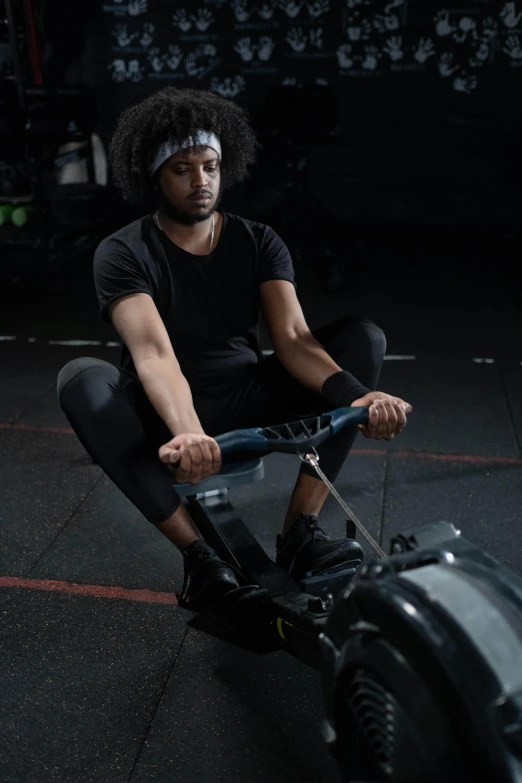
(293,438)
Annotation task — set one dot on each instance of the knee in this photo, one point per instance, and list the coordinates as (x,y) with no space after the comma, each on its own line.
(83,379)
(374,337)
(366,338)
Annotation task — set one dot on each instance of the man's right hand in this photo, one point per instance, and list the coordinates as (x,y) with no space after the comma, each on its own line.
(191,457)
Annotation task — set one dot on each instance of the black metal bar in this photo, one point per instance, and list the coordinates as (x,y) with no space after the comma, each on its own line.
(299,627)
(351,530)
(11,26)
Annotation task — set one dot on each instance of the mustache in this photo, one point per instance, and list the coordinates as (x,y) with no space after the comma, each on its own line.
(200,194)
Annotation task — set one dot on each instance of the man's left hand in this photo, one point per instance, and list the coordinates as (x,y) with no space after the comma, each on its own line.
(386,416)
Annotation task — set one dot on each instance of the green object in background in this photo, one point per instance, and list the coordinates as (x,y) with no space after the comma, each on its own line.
(6,210)
(20,215)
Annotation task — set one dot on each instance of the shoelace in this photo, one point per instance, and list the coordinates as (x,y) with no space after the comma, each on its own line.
(313,527)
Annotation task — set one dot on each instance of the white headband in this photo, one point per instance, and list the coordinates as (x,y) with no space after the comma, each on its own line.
(201,138)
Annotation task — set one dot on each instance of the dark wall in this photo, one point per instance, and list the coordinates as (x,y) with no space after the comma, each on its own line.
(427,92)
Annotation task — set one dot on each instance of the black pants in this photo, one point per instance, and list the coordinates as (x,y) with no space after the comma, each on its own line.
(113,418)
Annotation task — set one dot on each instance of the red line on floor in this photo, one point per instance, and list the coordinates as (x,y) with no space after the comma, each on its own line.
(369,452)
(473,458)
(94,591)
(37,428)
(360,452)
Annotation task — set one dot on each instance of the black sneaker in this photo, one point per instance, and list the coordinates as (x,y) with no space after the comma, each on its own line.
(305,550)
(210,577)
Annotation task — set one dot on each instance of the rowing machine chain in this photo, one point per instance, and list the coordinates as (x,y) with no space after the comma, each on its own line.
(313,460)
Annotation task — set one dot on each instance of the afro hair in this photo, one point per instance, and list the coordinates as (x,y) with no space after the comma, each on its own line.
(175,115)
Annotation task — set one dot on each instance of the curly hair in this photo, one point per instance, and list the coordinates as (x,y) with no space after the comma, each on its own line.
(173,114)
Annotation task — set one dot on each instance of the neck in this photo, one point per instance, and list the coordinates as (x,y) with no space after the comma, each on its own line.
(198,238)
(192,232)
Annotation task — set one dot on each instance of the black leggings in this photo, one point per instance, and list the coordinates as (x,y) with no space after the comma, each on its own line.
(113,418)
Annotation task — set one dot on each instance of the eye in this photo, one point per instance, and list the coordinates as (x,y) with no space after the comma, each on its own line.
(181,171)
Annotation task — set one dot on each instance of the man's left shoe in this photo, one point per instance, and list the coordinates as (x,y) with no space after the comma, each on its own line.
(306,550)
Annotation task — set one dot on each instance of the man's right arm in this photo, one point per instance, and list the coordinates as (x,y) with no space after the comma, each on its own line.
(139,324)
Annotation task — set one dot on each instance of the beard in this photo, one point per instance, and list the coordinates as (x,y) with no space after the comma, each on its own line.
(179,215)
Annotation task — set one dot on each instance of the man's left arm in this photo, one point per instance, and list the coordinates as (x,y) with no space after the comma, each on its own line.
(310,364)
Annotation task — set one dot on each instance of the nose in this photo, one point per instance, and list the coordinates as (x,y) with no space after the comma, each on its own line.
(199,177)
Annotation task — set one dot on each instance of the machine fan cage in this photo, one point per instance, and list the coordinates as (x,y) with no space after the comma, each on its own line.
(381,726)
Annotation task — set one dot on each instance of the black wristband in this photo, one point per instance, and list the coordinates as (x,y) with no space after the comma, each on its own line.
(342,388)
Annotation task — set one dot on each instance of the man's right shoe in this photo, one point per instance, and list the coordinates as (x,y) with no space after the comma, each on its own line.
(210,577)
(305,550)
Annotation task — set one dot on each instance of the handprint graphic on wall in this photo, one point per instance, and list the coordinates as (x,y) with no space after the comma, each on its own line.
(489,29)
(358,30)
(509,15)
(266,11)
(195,67)
(480,56)
(393,48)
(135,71)
(240,9)
(464,83)
(181,20)
(147,35)
(424,50)
(265,48)
(174,57)
(156,60)
(135,8)
(466,26)
(317,8)
(192,67)
(118,69)
(386,23)
(513,48)
(228,87)
(123,38)
(291,8)
(316,37)
(371,58)
(344,57)
(297,39)
(203,19)
(245,49)
(442,24)
(445,65)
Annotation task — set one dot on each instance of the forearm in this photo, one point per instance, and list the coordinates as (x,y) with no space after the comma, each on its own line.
(169,393)
(309,363)
(307,360)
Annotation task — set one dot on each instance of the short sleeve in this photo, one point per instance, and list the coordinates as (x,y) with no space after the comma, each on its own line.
(117,273)
(274,259)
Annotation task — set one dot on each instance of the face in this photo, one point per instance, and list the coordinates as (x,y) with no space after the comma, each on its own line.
(189,185)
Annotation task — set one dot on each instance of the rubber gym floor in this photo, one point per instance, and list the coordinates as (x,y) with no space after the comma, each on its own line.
(101,682)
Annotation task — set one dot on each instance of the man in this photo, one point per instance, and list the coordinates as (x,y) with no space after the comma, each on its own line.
(184,287)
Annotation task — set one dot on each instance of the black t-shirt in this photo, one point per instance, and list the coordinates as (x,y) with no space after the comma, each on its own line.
(209,304)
